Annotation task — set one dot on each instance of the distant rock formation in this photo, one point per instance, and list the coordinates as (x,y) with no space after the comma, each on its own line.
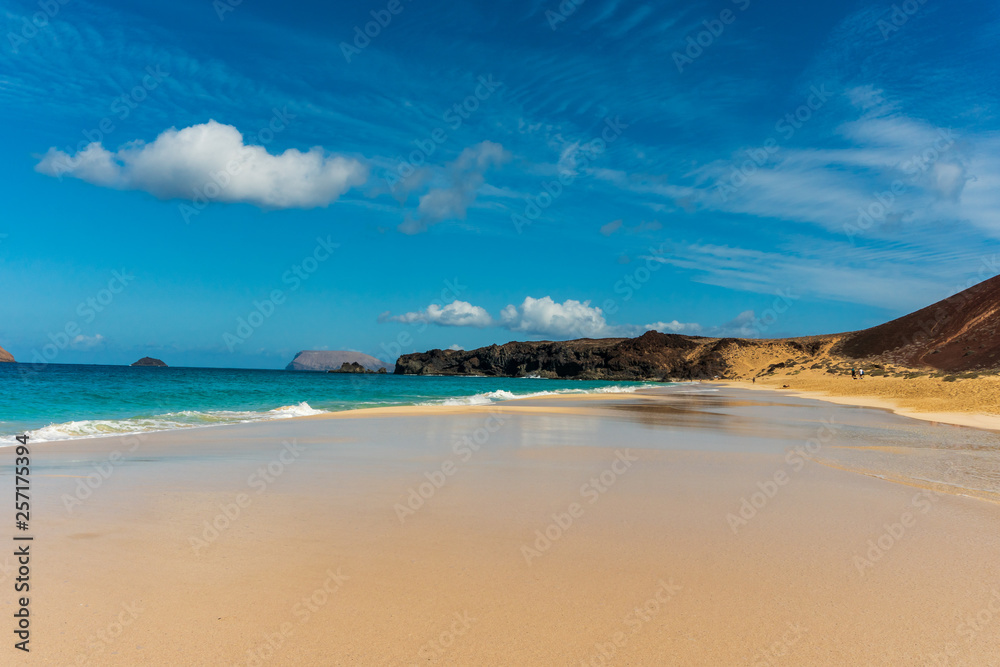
(149,361)
(5,356)
(355,367)
(334,360)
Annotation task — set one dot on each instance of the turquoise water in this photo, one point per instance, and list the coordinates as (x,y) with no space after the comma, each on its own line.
(61,401)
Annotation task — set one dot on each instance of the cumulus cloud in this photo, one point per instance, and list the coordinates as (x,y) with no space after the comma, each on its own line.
(211,162)
(463,179)
(545,317)
(548,318)
(455,314)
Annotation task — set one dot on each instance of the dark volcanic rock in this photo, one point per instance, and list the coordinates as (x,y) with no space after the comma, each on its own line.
(653,356)
(5,356)
(149,361)
(353,367)
(959,333)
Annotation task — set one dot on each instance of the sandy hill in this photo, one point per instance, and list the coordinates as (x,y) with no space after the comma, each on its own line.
(5,355)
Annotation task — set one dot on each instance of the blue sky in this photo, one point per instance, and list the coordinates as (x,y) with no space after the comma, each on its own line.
(265,177)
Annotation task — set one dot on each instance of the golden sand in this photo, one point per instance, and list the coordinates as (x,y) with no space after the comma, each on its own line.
(516,560)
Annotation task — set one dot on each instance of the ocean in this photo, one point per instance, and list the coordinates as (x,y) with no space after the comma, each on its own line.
(63,401)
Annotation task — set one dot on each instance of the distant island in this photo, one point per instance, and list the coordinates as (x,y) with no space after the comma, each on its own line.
(336,360)
(149,361)
(6,356)
(960,334)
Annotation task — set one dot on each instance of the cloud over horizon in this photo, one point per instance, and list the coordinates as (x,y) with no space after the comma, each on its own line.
(569,319)
(212,162)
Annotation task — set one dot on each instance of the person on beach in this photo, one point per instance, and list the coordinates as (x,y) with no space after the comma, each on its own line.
(861,374)
(854,374)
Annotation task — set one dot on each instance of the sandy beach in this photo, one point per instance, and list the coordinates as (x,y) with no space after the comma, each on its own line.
(693,525)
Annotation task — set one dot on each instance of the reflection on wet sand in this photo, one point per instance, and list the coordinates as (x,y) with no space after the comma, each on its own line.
(871,441)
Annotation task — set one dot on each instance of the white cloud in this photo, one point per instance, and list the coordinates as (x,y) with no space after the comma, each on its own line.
(455,314)
(545,317)
(456,347)
(211,161)
(82,342)
(548,318)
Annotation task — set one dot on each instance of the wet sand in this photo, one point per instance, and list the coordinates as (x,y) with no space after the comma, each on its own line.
(672,528)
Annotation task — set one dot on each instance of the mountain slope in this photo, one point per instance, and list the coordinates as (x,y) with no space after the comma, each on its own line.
(5,356)
(959,333)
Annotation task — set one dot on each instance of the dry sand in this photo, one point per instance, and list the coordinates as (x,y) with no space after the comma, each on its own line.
(968,402)
(319,568)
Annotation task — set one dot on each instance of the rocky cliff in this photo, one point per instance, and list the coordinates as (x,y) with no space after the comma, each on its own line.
(652,356)
(960,333)
(327,360)
(5,356)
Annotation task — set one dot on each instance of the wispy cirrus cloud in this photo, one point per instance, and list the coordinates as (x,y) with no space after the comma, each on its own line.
(462,180)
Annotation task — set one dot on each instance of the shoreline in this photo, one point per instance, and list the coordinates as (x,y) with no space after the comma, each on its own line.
(978,420)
